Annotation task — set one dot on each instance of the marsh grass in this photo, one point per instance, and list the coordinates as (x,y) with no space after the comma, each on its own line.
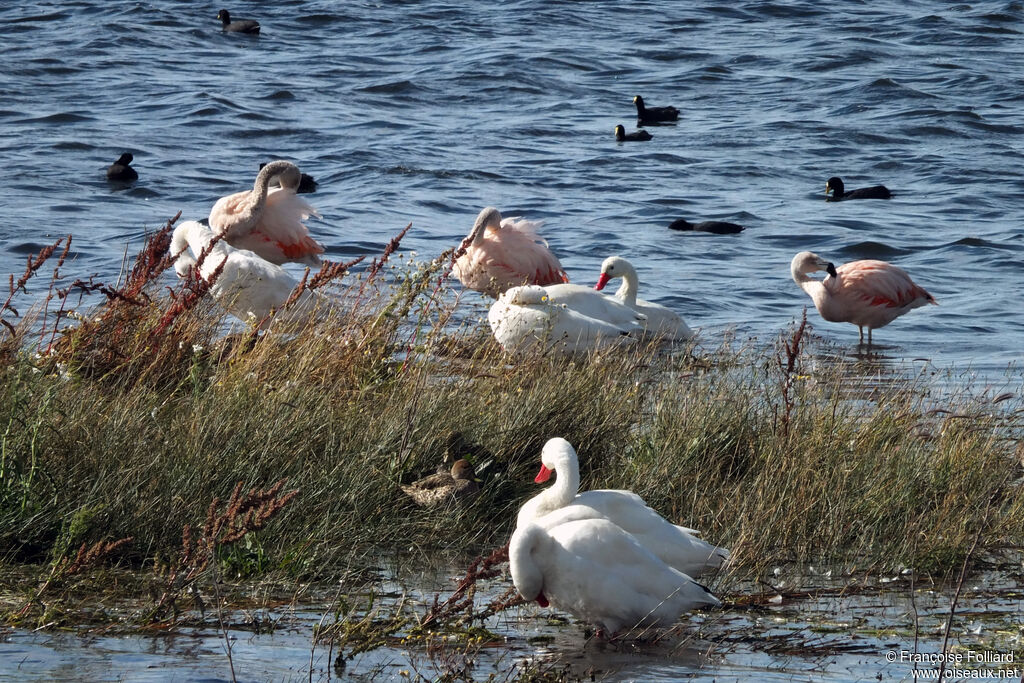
(133,419)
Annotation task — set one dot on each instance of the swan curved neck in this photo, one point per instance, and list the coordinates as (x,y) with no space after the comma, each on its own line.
(527,544)
(188,236)
(627,290)
(565,488)
(556,496)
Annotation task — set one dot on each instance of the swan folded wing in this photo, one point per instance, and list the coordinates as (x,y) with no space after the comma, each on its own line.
(578,332)
(619,583)
(586,301)
(675,545)
(521,326)
(250,285)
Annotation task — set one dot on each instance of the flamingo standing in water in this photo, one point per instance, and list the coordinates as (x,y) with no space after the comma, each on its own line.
(866,293)
(503,253)
(269,222)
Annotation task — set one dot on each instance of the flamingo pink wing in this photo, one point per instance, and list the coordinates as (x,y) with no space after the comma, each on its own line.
(878,283)
(519,248)
(282,223)
(225,218)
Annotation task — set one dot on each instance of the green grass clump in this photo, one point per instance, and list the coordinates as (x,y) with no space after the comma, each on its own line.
(131,423)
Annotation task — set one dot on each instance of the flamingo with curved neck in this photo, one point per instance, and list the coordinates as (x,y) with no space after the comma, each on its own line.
(867,293)
(560,504)
(269,221)
(500,253)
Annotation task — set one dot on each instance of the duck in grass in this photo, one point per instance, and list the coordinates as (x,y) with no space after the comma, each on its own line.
(431,491)
(646,115)
(839,193)
(639,136)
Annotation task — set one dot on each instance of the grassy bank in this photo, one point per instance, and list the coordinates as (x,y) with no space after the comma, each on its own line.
(130,423)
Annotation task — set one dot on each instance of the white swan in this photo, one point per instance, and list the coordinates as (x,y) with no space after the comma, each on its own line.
(269,222)
(248,286)
(661,321)
(559,504)
(525,317)
(599,573)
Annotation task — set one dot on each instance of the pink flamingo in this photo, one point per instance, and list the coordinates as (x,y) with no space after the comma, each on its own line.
(503,253)
(866,293)
(269,222)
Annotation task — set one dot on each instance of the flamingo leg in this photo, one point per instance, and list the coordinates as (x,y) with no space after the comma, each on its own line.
(860,332)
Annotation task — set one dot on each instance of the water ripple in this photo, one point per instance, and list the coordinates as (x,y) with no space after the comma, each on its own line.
(433,110)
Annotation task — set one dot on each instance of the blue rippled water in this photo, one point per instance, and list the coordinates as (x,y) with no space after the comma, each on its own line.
(428,111)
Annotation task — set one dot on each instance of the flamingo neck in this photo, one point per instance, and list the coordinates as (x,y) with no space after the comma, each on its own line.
(816,289)
(480,232)
(806,282)
(257,199)
(258,196)
(478,235)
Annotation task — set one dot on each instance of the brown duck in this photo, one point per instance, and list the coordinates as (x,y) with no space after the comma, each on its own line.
(431,491)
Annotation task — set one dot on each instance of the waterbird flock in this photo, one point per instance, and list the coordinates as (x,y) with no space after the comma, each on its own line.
(604,556)
(506,258)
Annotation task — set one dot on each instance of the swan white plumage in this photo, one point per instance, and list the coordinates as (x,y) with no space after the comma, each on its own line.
(526,317)
(559,504)
(248,286)
(269,222)
(597,572)
(590,302)
(661,321)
